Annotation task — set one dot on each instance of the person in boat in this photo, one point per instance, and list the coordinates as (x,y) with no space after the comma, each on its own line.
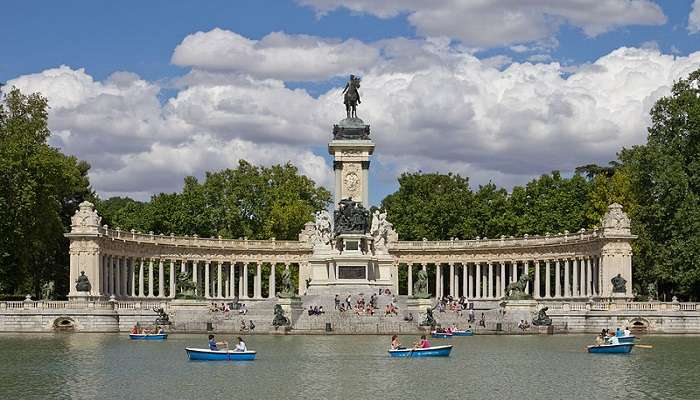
(423,343)
(241,345)
(134,330)
(627,331)
(395,344)
(600,339)
(214,345)
(618,332)
(161,331)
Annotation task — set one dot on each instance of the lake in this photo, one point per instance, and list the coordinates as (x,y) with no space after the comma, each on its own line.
(110,366)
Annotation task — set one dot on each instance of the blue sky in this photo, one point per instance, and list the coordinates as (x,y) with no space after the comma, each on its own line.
(493,90)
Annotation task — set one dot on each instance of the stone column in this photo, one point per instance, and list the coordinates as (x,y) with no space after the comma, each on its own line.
(258,280)
(195,278)
(141,268)
(245,280)
(490,281)
(526,270)
(206,279)
(582,277)
(173,281)
(219,277)
(574,286)
(410,279)
(124,277)
(536,290)
(117,276)
(438,281)
(132,277)
(150,278)
(161,279)
(589,280)
(465,280)
(513,271)
(470,281)
(452,280)
(477,285)
(108,275)
(548,279)
(273,289)
(557,282)
(567,284)
(240,280)
(502,288)
(183,266)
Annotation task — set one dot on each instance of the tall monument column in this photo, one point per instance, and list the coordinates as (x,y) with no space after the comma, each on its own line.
(351,148)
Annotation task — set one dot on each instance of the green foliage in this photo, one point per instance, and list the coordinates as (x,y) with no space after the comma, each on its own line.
(41,189)
(665,180)
(440,207)
(249,201)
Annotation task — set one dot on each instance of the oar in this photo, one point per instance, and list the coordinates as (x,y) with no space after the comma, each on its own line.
(644,346)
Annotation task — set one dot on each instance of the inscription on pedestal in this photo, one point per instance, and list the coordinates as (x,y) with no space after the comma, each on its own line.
(352,272)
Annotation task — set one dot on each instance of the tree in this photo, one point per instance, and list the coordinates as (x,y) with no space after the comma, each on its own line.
(248,201)
(665,180)
(41,189)
(433,206)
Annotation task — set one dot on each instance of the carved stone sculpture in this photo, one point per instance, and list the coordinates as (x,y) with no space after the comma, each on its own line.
(516,290)
(82,284)
(280,319)
(322,233)
(185,286)
(163,317)
(420,287)
(287,287)
(47,290)
(619,284)
(429,318)
(382,232)
(352,96)
(350,217)
(542,319)
(85,218)
(615,221)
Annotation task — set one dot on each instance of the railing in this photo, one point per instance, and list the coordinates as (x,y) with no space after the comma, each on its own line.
(82,305)
(525,241)
(627,306)
(194,241)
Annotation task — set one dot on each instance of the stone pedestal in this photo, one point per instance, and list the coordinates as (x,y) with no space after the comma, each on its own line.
(290,306)
(82,297)
(516,310)
(417,306)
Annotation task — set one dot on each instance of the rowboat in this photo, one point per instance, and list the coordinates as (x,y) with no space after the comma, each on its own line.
(435,351)
(219,355)
(466,332)
(626,339)
(611,348)
(440,335)
(148,336)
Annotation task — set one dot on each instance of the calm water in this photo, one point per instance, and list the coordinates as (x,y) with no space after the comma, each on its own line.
(109,366)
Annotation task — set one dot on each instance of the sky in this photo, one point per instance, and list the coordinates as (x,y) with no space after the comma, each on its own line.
(501,91)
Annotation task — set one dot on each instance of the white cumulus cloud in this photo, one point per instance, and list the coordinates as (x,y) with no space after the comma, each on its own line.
(694,18)
(277,55)
(491,23)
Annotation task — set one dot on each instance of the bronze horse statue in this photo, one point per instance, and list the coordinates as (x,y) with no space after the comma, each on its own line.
(352,96)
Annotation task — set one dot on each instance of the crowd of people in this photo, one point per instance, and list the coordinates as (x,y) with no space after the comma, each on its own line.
(360,306)
(226,308)
(316,310)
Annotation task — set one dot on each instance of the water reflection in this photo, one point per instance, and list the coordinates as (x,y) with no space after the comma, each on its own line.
(85,366)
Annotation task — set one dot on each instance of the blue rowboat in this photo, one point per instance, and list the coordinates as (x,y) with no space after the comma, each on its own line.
(466,332)
(626,339)
(435,351)
(148,336)
(219,355)
(440,335)
(611,348)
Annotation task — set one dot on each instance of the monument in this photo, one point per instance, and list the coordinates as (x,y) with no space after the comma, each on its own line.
(354,254)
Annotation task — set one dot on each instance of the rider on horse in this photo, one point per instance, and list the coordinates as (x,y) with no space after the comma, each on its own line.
(352,96)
